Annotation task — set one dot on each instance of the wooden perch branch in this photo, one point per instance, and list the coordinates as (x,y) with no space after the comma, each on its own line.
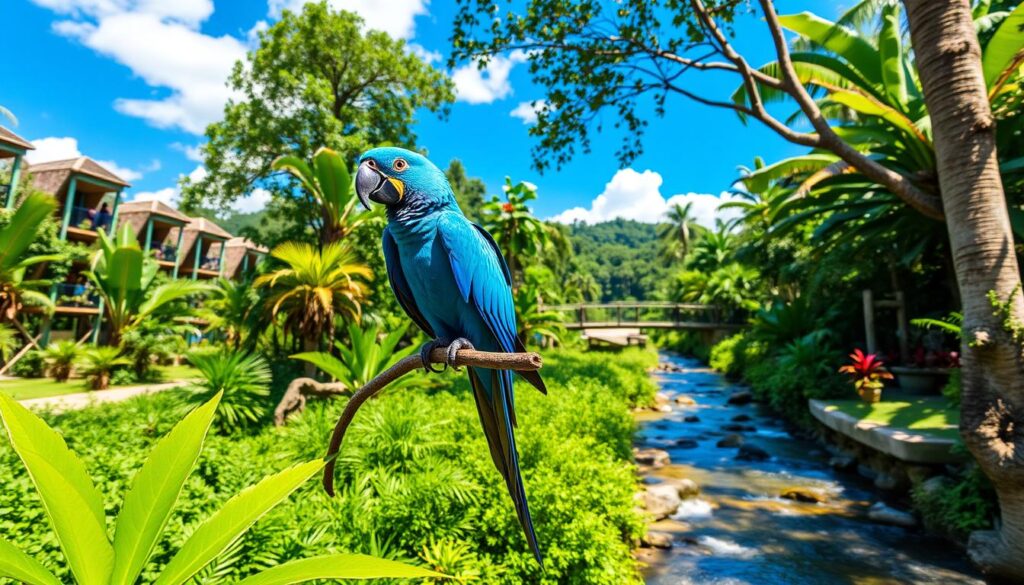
(529,361)
(294,399)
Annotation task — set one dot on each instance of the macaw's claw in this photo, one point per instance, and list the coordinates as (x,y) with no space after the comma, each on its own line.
(429,348)
(453,350)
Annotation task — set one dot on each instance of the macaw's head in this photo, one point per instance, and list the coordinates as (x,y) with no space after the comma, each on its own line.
(397,177)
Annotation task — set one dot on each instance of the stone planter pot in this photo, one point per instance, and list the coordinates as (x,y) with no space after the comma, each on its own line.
(924,381)
(870,395)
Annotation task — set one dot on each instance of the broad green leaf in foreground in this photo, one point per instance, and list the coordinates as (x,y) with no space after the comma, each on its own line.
(337,566)
(17,565)
(234,518)
(74,506)
(156,487)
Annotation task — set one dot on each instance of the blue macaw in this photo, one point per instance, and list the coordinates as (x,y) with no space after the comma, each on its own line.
(450,277)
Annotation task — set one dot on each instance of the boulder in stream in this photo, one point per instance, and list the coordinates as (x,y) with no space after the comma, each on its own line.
(685,400)
(730,441)
(804,494)
(686,488)
(652,457)
(661,501)
(687,444)
(741,418)
(738,428)
(883,514)
(655,539)
(750,452)
(740,398)
(691,418)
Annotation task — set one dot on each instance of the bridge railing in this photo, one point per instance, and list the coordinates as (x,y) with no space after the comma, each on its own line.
(652,313)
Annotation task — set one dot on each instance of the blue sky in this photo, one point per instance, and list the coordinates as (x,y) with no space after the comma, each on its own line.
(132,83)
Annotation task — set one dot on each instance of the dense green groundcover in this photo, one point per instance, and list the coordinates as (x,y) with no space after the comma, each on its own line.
(416,483)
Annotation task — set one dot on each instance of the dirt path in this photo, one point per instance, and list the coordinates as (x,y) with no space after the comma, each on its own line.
(84,399)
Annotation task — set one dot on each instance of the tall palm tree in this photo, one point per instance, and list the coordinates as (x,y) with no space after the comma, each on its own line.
(15,239)
(314,286)
(714,249)
(233,310)
(677,234)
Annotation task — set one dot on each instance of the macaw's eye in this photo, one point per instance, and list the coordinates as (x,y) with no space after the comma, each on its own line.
(399,164)
(371,163)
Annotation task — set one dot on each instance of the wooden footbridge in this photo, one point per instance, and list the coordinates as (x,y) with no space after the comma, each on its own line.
(622,323)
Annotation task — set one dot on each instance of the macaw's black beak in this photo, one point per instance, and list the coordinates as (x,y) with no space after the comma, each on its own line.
(373,185)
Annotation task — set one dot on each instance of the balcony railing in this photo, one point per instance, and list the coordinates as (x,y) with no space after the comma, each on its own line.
(76,295)
(87,218)
(164,252)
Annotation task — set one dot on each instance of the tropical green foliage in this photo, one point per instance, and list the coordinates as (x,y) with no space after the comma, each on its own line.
(329,183)
(242,381)
(233,311)
(75,509)
(127,281)
(368,352)
(314,286)
(60,358)
(413,488)
(517,232)
(8,342)
(15,239)
(97,365)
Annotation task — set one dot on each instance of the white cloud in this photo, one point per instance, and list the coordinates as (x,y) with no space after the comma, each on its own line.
(170,195)
(527,111)
(192,153)
(161,43)
(54,148)
(395,17)
(426,55)
(474,85)
(637,196)
(253,202)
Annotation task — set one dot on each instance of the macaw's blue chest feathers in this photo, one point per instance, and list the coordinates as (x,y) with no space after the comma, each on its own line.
(418,206)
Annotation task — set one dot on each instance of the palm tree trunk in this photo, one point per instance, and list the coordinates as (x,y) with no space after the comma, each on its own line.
(992,417)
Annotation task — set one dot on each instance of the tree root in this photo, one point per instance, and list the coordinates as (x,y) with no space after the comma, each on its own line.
(294,399)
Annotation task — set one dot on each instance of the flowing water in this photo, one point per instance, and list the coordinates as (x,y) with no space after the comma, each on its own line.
(739,531)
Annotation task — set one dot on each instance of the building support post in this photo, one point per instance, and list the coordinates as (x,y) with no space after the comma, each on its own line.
(220,259)
(112,228)
(198,256)
(177,250)
(149,234)
(12,189)
(869,321)
(69,204)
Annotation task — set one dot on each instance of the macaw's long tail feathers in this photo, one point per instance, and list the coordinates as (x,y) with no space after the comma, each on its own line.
(493,392)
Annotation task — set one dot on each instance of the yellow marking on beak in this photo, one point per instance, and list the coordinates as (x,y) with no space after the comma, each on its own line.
(399,186)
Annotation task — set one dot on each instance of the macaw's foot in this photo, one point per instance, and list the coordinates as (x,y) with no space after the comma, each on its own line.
(429,348)
(453,350)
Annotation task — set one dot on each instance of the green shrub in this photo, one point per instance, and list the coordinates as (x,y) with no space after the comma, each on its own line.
(98,364)
(689,343)
(734,355)
(60,358)
(244,381)
(31,365)
(953,387)
(123,377)
(968,504)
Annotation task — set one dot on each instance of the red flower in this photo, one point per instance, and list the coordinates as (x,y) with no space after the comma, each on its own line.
(865,366)
(508,207)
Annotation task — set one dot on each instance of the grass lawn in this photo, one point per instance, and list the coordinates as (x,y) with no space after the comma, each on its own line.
(930,415)
(23,388)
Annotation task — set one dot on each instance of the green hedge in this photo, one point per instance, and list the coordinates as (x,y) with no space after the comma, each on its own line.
(416,479)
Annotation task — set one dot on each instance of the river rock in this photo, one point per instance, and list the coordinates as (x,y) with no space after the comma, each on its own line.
(652,457)
(686,488)
(886,481)
(687,444)
(935,485)
(843,462)
(655,539)
(750,452)
(740,398)
(691,418)
(738,428)
(741,418)
(661,501)
(664,408)
(804,494)
(661,398)
(685,400)
(883,514)
(730,441)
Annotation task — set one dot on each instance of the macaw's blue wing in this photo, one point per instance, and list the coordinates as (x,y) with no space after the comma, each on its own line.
(484,282)
(400,286)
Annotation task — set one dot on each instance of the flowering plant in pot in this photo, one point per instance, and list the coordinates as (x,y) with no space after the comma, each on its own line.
(868,372)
